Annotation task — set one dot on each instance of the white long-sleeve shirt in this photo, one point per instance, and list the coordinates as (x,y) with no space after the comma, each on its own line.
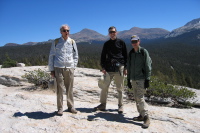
(62,55)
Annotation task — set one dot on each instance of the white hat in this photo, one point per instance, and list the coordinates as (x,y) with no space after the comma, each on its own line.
(104,81)
(52,85)
(135,37)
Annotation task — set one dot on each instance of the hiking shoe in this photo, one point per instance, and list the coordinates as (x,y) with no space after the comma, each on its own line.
(120,109)
(101,107)
(60,112)
(72,110)
(146,122)
(139,118)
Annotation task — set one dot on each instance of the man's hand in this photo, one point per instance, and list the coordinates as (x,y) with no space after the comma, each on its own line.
(129,84)
(53,74)
(146,83)
(103,71)
(125,72)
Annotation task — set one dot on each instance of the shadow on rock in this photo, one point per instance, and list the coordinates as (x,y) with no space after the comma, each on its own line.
(31,88)
(85,110)
(115,117)
(35,115)
(90,110)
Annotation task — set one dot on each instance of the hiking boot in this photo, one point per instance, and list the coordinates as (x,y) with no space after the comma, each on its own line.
(139,118)
(72,110)
(146,122)
(60,112)
(120,109)
(101,107)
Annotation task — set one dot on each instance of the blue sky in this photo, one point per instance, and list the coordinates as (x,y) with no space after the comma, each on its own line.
(24,21)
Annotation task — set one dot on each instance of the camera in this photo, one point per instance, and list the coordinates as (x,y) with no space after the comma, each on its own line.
(117,64)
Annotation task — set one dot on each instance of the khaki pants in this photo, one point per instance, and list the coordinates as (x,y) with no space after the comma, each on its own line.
(119,80)
(139,91)
(65,80)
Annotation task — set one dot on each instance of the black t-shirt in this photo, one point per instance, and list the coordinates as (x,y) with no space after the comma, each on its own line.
(114,49)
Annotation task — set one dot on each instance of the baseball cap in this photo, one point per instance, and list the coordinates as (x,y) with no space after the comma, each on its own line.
(134,37)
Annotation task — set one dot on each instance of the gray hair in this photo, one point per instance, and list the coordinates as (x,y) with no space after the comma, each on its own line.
(64,25)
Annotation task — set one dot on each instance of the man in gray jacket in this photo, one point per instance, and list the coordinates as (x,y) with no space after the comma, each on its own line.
(63,59)
(139,72)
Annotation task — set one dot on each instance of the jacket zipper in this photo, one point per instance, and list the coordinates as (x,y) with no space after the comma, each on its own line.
(134,65)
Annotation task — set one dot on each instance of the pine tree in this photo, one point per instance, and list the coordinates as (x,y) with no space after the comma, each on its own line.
(8,62)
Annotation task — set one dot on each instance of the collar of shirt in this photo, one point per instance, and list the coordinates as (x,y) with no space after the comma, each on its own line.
(68,39)
(113,40)
(139,50)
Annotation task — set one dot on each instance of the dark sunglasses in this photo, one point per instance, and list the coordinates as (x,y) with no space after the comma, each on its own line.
(65,30)
(134,41)
(110,32)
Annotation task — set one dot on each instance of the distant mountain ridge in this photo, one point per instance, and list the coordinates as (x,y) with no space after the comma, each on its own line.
(15,44)
(87,35)
(11,44)
(144,33)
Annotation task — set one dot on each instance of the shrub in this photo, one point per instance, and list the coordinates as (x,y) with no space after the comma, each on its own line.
(8,62)
(161,89)
(164,90)
(38,77)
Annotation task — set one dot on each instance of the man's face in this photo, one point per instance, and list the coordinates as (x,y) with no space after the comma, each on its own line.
(112,33)
(65,32)
(135,43)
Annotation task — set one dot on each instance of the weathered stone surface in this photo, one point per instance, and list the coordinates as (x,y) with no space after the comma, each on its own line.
(9,81)
(25,110)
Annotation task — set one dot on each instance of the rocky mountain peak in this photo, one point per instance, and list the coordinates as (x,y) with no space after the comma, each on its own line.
(30,43)
(188,27)
(86,30)
(193,22)
(87,35)
(135,29)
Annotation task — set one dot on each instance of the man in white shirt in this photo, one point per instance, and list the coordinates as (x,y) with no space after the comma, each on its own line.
(63,59)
